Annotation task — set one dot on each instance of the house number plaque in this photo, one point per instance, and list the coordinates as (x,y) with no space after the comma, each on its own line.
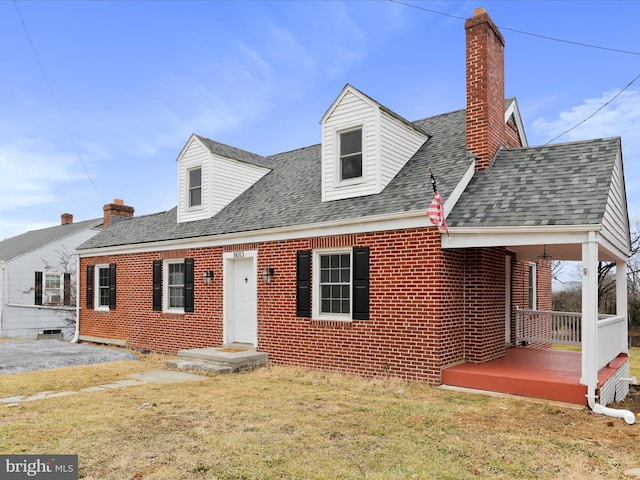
(238,254)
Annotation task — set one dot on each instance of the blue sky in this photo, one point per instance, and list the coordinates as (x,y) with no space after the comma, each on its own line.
(117,87)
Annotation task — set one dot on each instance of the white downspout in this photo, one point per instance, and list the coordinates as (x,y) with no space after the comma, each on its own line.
(76,335)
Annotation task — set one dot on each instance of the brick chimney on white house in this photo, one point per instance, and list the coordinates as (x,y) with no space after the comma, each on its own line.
(66,219)
(485,88)
(116,211)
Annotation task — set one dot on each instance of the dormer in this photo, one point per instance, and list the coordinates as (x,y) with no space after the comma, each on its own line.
(364,146)
(211,175)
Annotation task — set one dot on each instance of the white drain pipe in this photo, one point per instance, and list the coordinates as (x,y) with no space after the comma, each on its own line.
(628,415)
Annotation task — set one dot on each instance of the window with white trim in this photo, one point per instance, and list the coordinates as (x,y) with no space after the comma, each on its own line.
(174,285)
(53,293)
(194,177)
(350,155)
(533,287)
(102,287)
(334,284)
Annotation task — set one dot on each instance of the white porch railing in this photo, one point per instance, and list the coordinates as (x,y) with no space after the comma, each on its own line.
(546,326)
(612,338)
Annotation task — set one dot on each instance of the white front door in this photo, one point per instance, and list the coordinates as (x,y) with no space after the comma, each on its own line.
(241,301)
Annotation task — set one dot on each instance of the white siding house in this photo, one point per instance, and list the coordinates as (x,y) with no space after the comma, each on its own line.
(38,280)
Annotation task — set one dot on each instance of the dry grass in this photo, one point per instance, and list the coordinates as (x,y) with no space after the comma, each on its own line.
(288,423)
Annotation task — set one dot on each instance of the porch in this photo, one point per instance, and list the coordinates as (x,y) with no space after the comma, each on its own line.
(547,373)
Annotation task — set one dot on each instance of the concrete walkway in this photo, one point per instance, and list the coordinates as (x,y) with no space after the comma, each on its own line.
(155,376)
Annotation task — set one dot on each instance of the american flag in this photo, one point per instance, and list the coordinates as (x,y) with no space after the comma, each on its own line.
(435,210)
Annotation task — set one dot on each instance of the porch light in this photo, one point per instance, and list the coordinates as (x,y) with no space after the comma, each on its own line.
(544,257)
(267,275)
(207,277)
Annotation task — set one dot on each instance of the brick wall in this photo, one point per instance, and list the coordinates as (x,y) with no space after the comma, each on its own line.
(419,322)
(485,304)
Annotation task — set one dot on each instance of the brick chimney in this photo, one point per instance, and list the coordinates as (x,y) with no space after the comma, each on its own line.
(116,211)
(66,219)
(485,87)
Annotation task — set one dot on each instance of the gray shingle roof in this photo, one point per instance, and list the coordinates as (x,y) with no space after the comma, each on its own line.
(290,194)
(562,184)
(26,242)
(234,153)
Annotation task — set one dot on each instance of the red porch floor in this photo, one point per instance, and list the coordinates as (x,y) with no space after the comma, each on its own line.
(531,372)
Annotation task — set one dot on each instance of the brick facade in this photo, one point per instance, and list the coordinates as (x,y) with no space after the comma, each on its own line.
(429,308)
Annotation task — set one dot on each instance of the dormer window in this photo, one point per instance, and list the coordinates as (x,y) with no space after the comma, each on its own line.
(195,187)
(351,154)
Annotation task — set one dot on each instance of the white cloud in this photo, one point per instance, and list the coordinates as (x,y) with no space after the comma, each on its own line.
(32,173)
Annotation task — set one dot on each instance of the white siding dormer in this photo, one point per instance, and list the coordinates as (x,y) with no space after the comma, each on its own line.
(222,180)
(388,142)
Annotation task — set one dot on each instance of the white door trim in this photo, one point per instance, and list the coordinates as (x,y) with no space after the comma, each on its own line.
(227,291)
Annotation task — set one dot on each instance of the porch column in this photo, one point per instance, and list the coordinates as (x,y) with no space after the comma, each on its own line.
(590,313)
(621,297)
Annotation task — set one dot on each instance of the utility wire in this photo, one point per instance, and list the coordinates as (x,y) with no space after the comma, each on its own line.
(595,112)
(46,78)
(628,52)
(522,32)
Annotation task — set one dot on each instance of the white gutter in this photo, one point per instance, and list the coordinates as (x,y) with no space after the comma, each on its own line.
(76,335)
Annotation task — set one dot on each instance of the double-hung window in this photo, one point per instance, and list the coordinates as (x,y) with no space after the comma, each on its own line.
(351,154)
(53,293)
(339,286)
(52,288)
(101,286)
(173,285)
(195,187)
(335,283)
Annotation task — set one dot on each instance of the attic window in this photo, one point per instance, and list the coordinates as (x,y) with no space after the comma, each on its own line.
(195,187)
(351,154)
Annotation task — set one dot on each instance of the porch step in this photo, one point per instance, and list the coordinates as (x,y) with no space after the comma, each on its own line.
(216,360)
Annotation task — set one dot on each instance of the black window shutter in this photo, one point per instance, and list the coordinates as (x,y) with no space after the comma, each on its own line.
(112,286)
(303,283)
(157,285)
(89,286)
(67,289)
(38,289)
(360,283)
(188,284)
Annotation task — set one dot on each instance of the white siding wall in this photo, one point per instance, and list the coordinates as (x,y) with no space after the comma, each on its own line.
(229,179)
(388,143)
(399,143)
(616,227)
(194,155)
(350,112)
(20,316)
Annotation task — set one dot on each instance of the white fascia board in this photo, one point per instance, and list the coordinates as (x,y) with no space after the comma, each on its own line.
(186,145)
(377,223)
(515,111)
(461,237)
(459,189)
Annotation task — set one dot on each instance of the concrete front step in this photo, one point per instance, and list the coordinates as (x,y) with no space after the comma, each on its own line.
(225,359)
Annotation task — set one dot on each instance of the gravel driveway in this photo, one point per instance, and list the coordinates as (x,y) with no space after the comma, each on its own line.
(30,355)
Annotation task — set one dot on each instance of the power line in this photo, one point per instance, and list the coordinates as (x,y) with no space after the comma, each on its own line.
(522,32)
(46,78)
(595,112)
(628,52)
